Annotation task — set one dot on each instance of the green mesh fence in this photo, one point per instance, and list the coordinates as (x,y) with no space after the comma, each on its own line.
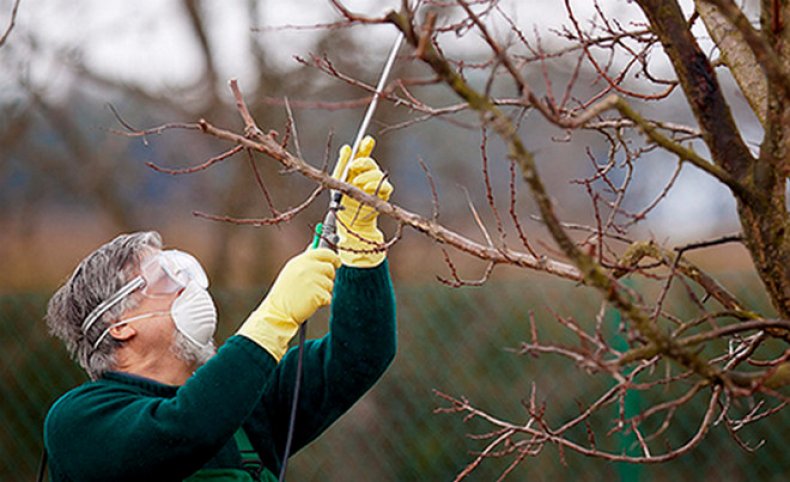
(458,341)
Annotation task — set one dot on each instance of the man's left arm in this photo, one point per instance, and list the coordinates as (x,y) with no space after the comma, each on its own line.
(340,367)
(343,365)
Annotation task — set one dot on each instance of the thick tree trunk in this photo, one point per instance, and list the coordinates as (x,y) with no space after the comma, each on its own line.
(762,208)
(765,225)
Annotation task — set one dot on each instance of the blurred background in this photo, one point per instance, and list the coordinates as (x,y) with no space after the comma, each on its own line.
(73,74)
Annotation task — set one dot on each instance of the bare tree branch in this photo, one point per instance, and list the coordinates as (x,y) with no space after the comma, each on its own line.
(11,23)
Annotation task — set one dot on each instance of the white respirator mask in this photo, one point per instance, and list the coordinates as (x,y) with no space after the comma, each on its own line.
(167,272)
(194,314)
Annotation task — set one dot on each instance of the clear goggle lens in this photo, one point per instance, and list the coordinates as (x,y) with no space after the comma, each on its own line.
(170,271)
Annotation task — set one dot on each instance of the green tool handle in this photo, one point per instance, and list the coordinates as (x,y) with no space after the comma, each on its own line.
(326,232)
(317,237)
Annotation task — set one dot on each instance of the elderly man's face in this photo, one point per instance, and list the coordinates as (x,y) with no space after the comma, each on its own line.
(157,331)
(174,313)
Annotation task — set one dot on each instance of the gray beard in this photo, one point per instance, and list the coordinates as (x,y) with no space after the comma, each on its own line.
(189,352)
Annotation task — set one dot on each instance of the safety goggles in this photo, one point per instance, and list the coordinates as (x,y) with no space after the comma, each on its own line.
(162,274)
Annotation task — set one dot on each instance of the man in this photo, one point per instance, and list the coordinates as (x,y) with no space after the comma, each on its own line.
(161,405)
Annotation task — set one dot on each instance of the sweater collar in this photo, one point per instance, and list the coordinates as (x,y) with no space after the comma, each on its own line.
(147,385)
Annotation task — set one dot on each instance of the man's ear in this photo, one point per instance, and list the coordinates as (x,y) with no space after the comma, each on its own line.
(123,332)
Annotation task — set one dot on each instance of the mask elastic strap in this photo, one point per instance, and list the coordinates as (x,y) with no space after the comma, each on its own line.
(127,321)
(113,300)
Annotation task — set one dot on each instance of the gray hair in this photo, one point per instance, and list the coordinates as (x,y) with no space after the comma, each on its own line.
(100,275)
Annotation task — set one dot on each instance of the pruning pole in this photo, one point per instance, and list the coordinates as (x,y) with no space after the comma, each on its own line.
(326,236)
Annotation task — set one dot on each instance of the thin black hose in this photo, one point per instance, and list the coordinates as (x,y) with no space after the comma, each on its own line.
(42,466)
(295,402)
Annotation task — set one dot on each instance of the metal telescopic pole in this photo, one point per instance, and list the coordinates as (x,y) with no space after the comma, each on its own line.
(327,237)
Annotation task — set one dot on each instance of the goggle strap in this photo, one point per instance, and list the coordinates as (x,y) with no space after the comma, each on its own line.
(113,300)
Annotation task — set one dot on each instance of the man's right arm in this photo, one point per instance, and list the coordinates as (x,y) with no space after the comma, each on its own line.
(107,432)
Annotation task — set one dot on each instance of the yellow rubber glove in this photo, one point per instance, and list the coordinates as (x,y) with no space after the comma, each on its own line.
(366,175)
(303,285)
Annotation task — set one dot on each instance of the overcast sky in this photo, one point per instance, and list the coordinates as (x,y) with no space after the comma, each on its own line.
(150,41)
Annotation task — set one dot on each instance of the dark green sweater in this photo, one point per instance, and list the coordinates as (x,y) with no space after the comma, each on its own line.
(123,427)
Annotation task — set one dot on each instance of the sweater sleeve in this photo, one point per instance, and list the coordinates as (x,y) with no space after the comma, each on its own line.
(338,368)
(106,431)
